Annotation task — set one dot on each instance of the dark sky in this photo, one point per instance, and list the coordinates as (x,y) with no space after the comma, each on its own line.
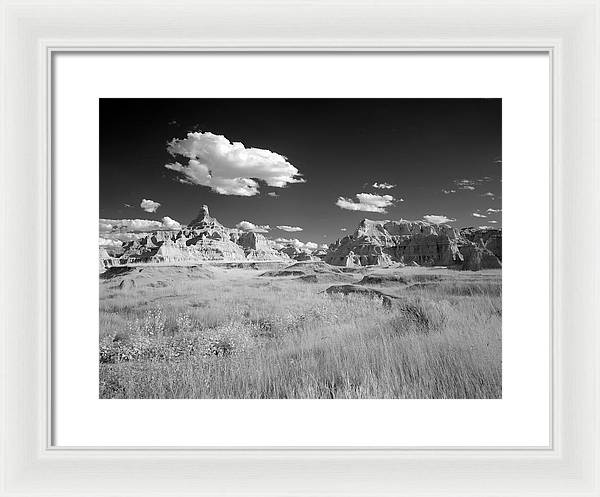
(340,147)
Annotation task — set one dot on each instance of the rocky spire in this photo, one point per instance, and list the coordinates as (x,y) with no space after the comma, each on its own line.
(204,219)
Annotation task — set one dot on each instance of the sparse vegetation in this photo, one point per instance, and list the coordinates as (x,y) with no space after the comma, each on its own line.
(237,335)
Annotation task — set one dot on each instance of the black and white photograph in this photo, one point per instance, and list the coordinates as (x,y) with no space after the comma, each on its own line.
(300,248)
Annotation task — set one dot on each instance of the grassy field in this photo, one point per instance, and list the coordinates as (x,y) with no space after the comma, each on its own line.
(214,332)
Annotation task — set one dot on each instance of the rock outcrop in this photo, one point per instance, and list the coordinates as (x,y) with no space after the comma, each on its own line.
(488,238)
(416,243)
(204,239)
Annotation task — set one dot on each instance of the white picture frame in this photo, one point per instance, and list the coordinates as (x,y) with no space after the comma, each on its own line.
(568,31)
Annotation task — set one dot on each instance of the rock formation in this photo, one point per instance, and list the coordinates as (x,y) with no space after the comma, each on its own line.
(488,238)
(204,239)
(382,243)
(417,243)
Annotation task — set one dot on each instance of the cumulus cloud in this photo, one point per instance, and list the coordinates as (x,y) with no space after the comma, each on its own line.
(149,205)
(488,194)
(494,210)
(290,228)
(383,186)
(493,222)
(123,237)
(448,191)
(294,242)
(109,242)
(343,229)
(230,168)
(255,228)
(273,194)
(476,214)
(170,224)
(137,225)
(367,202)
(438,219)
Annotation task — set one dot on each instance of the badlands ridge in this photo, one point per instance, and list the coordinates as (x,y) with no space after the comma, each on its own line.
(373,243)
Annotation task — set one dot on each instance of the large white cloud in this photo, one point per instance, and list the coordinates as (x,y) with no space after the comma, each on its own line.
(367,202)
(137,225)
(255,228)
(149,205)
(438,219)
(290,228)
(230,168)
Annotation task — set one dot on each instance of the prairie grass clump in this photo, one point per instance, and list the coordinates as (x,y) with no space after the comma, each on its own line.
(420,316)
(152,338)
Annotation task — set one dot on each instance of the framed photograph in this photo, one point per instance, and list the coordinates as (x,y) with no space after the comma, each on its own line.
(296,249)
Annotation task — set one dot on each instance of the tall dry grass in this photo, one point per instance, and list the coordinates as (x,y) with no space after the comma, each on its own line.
(246,337)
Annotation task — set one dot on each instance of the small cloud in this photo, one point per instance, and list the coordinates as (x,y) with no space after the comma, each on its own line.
(476,214)
(122,237)
(494,210)
(447,192)
(367,202)
(294,242)
(466,184)
(383,186)
(470,184)
(109,242)
(438,219)
(343,229)
(290,228)
(485,227)
(170,224)
(493,222)
(273,194)
(149,205)
(137,225)
(488,194)
(498,161)
(172,123)
(251,227)
(229,168)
